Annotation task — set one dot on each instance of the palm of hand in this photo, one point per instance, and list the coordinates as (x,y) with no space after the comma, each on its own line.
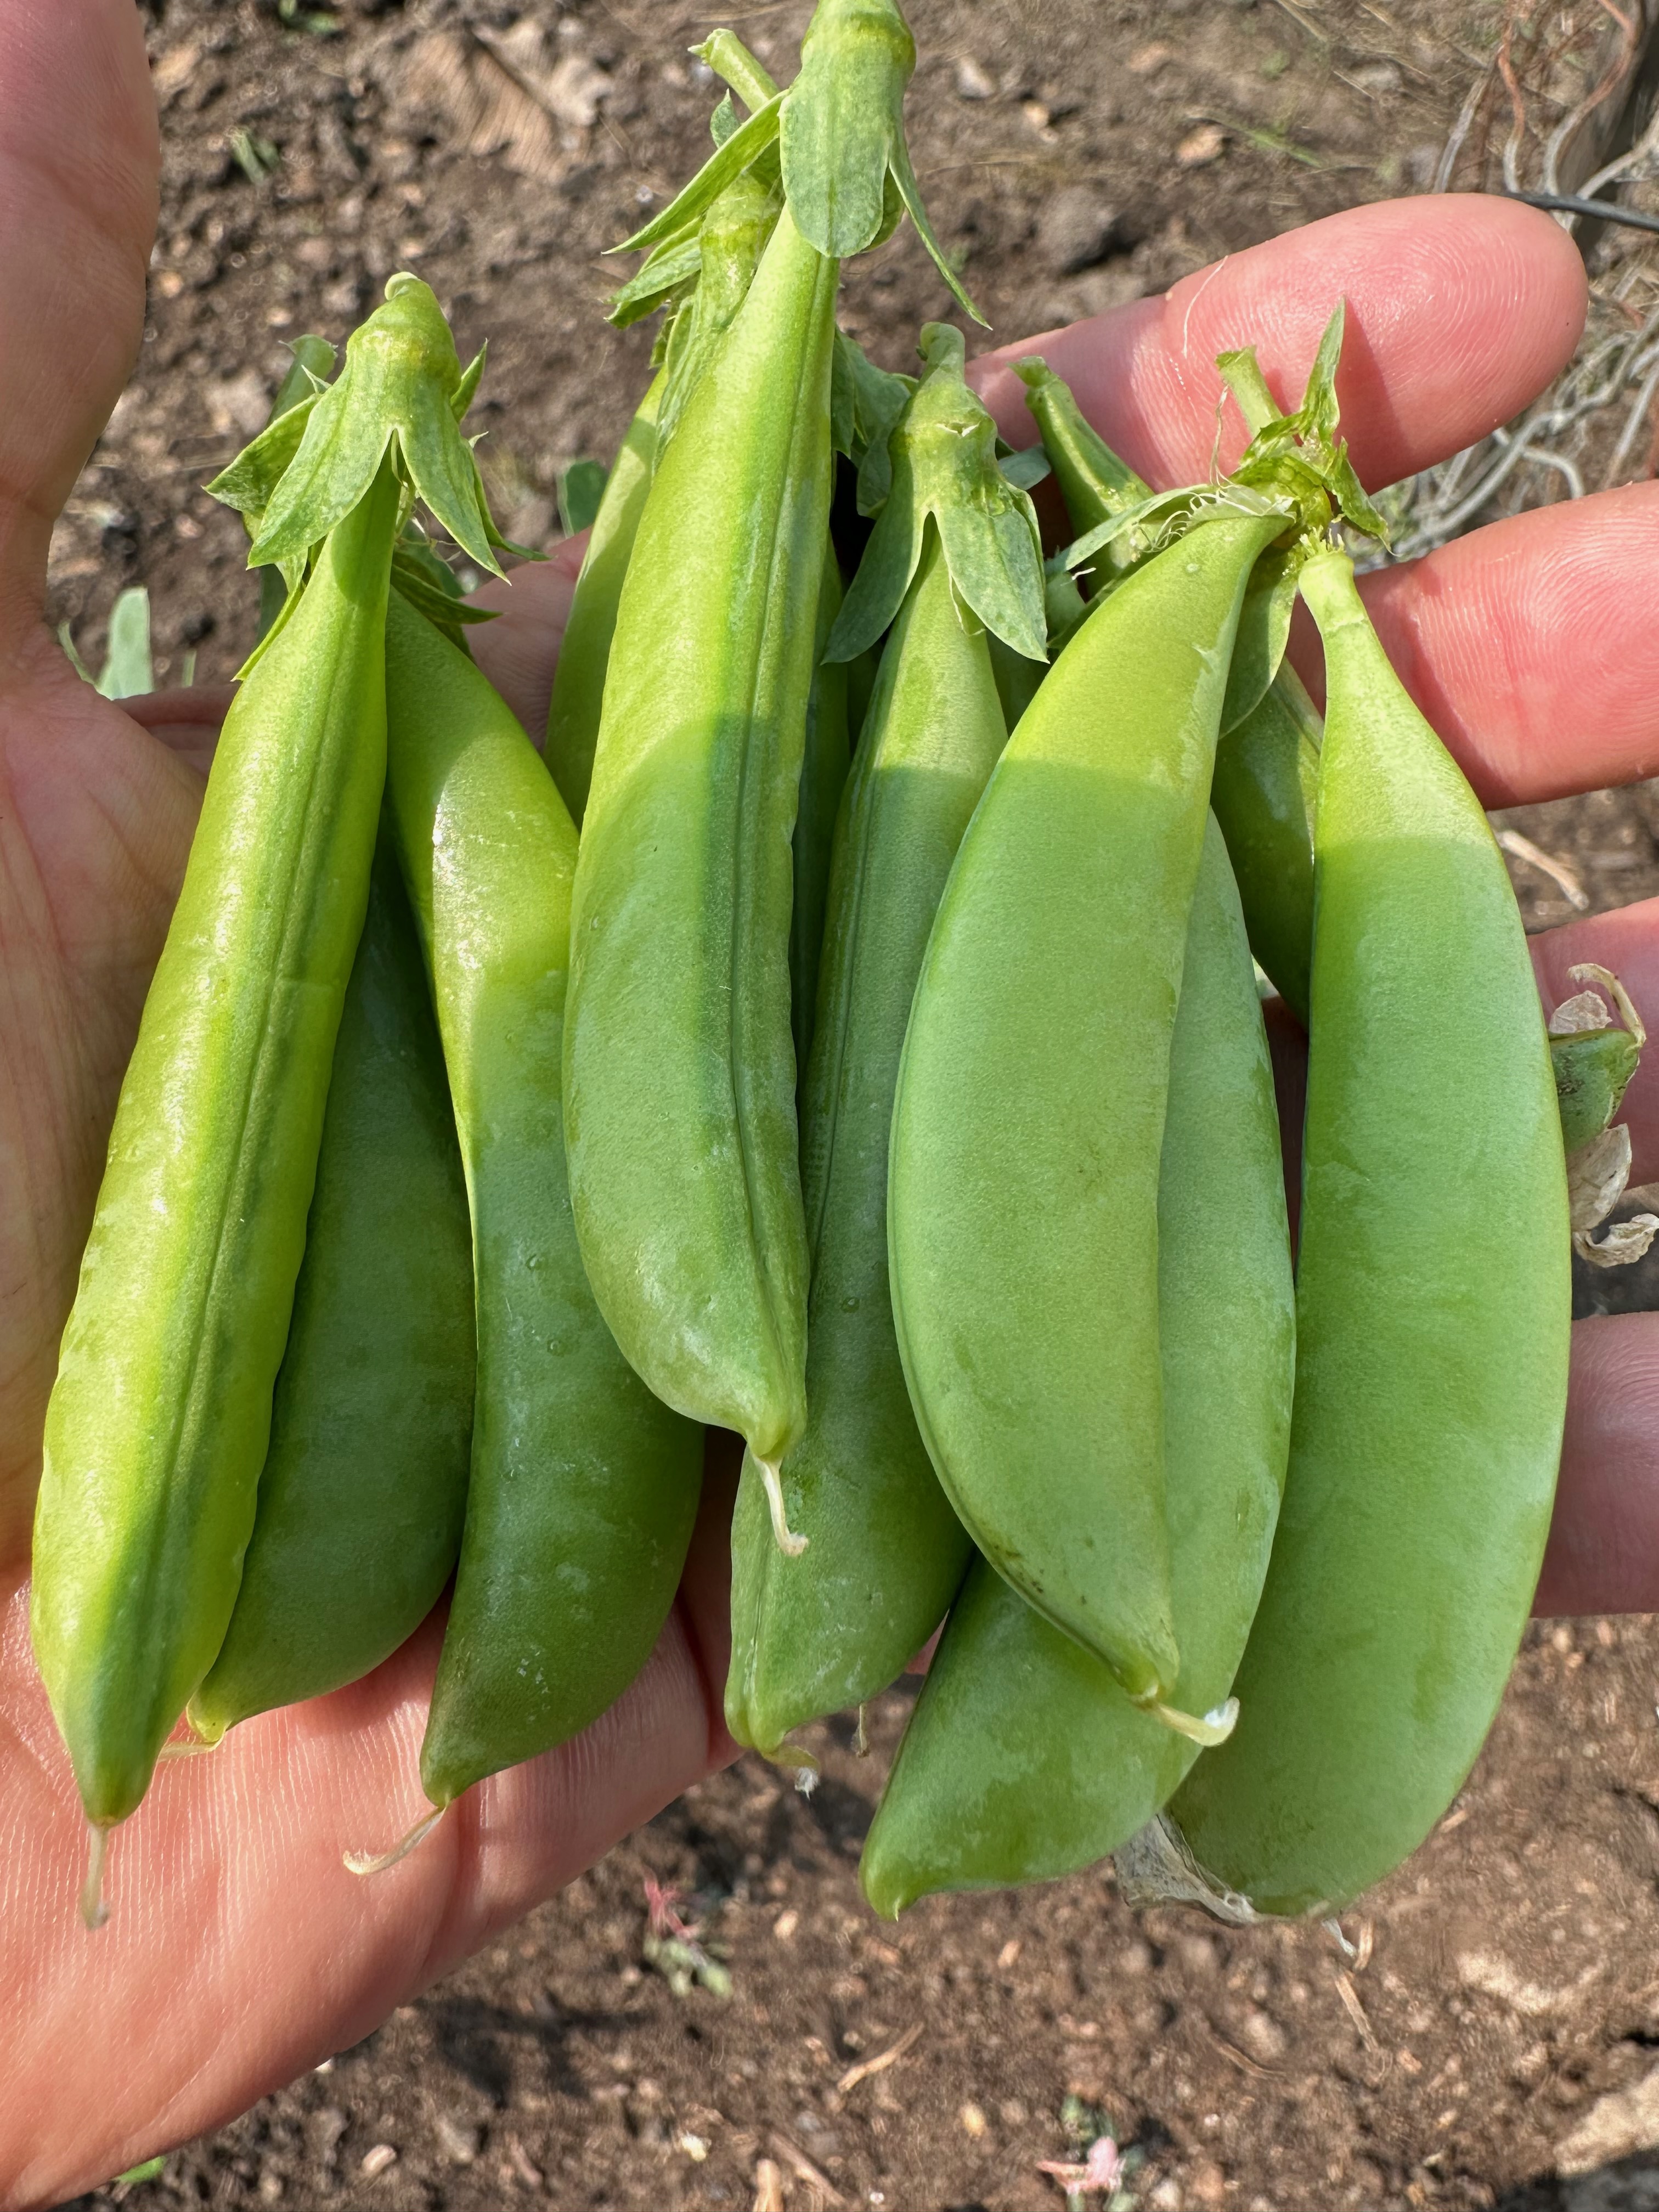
(208,1988)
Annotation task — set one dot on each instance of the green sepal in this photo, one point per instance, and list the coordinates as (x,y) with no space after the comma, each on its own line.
(723,167)
(467,390)
(724,121)
(842,136)
(675,265)
(1264,630)
(879,397)
(441,603)
(1026,466)
(1063,605)
(307,372)
(396,391)
(844,398)
(944,465)
(249,484)
(581,494)
(725,53)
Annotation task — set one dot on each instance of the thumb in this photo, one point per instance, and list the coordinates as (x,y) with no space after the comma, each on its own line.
(79,169)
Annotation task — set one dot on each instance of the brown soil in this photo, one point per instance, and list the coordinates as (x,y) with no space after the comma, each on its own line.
(1504,2003)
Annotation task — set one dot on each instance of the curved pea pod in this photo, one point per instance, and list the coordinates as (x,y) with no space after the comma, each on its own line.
(358,1518)
(884,1550)
(159,1419)
(1432,1315)
(1023,1192)
(826,755)
(583,1487)
(679,1068)
(1023,1758)
(573,714)
(1267,779)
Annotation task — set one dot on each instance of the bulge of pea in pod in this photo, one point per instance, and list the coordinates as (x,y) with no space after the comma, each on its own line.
(1028,1122)
(679,1066)
(1023,1758)
(584,1486)
(1433,1305)
(161,1415)
(358,1517)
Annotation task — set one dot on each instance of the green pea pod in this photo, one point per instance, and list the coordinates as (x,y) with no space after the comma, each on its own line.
(1267,762)
(1023,1202)
(358,1517)
(825,757)
(572,715)
(1267,779)
(1433,1312)
(159,1420)
(583,1487)
(883,1551)
(679,1063)
(1023,1759)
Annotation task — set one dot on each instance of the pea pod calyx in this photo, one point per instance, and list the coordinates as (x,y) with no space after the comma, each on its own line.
(944,457)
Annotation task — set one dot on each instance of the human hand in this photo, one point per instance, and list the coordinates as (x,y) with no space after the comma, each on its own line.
(209,1986)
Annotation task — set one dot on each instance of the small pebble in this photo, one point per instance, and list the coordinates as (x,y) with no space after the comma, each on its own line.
(376,2162)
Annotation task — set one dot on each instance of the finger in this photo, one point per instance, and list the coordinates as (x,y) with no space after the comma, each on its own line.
(1603,1554)
(207,1988)
(1460,310)
(187,722)
(79,168)
(519,652)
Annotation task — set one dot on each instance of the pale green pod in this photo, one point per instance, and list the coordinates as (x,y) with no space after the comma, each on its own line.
(1023,1758)
(679,1066)
(1433,1314)
(1027,1131)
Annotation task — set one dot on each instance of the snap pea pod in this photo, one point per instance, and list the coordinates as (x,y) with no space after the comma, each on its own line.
(159,1420)
(1267,762)
(883,1551)
(679,1063)
(1023,1758)
(1592,1070)
(826,755)
(358,1517)
(1029,1119)
(583,1486)
(573,714)
(1433,1311)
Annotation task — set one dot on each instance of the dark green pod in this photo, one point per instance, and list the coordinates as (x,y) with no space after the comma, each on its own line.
(358,1518)
(573,713)
(1023,1758)
(584,1486)
(885,1552)
(826,759)
(1267,779)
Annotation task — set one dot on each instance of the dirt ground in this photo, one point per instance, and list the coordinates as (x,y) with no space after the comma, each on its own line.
(1487,2032)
